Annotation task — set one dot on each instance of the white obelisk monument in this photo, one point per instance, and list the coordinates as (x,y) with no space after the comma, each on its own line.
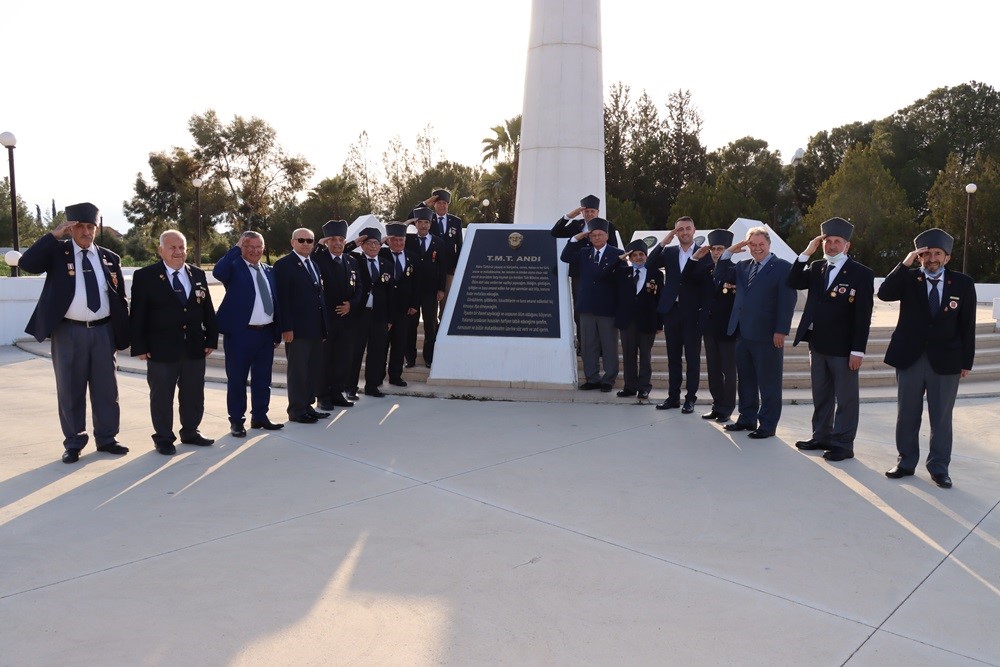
(562,127)
(511,321)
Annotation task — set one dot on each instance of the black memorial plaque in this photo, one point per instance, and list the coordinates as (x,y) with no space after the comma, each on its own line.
(510,287)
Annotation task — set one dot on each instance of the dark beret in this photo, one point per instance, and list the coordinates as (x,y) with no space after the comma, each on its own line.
(421,213)
(837,227)
(597,224)
(722,237)
(371,233)
(85,212)
(934,238)
(590,201)
(335,228)
(395,229)
(636,246)
(442,195)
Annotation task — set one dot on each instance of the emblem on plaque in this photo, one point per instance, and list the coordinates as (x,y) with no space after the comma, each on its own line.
(515,240)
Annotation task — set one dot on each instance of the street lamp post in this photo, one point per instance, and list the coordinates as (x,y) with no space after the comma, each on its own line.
(970,190)
(9,141)
(486,210)
(197,183)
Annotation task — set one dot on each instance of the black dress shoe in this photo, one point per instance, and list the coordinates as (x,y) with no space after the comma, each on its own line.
(267,425)
(688,407)
(606,388)
(317,415)
(113,448)
(341,401)
(427,363)
(197,439)
(303,419)
(760,435)
(376,392)
(167,449)
(353,397)
(838,454)
(626,393)
(409,364)
(711,415)
(898,473)
(398,382)
(587,386)
(722,419)
(942,480)
(643,395)
(237,430)
(71,456)
(809,445)
(739,426)
(667,404)
(326,405)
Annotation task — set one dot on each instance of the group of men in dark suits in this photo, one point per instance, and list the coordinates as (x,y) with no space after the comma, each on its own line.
(331,309)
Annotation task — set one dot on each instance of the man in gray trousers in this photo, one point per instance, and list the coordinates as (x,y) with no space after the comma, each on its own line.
(835,321)
(932,348)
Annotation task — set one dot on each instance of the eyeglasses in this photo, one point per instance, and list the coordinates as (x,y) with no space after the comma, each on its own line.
(305,240)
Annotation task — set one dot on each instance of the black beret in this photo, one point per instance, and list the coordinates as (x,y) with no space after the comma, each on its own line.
(934,238)
(636,246)
(837,227)
(597,224)
(335,228)
(371,233)
(85,212)
(720,237)
(421,213)
(442,195)
(590,201)
(395,229)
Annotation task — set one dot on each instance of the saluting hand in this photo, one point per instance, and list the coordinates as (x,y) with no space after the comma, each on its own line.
(814,245)
(700,252)
(575,212)
(910,258)
(668,238)
(739,246)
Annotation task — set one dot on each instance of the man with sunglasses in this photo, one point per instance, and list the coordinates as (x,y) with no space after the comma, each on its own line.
(302,324)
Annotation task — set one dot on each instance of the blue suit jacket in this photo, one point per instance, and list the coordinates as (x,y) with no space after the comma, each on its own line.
(596,295)
(766,307)
(237,305)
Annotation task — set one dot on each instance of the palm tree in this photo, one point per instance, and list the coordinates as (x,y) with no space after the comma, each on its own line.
(503,148)
(506,142)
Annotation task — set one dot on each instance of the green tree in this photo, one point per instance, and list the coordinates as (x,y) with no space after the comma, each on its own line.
(169,200)
(823,154)
(499,185)
(462,181)
(246,157)
(29,229)
(751,170)
(618,132)
(948,203)
(334,198)
(863,191)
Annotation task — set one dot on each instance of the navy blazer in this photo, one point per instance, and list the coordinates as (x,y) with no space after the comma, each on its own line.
(948,338)
(403,293)
(161,325)
(380,288)
(54,258)
(840,315)
(452,238)
(302,309)
(636,307)
(237,305)
(567,229)
(340,284)
(689,289)
(595,295)
(766,307)
(432,266)
(719,310)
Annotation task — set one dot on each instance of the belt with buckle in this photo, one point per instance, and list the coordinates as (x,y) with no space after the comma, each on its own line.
(89,324)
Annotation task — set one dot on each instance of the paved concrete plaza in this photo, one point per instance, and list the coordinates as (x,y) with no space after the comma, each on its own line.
(418,531)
